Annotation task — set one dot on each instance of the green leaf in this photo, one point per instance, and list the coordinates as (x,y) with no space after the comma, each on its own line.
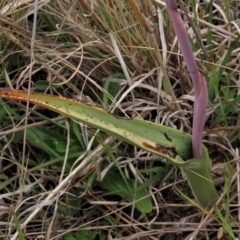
(41,85)
(49,19)
(212,84)
(2,114)
(158,139)
(60,146)
(111,88)
(18,226)
(153,170)
(125,188)
(15,137)
(69,236)
(83,235)
(75,129)
(48,140)
(169,143)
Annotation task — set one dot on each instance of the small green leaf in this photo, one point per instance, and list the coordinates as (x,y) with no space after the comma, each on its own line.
(111,88)
(83,235)
(60,146)
(2,114)
(74,127)
(42,85)
(153,170)
(69,236)
(15,137)
(125,188)
(18,227)
(3,176)
(39,137)
(49,19)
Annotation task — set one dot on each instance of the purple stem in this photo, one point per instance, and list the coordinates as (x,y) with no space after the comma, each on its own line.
(199,117)
(199,82)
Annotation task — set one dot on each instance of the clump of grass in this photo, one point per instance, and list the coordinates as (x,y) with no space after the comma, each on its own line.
(75,57)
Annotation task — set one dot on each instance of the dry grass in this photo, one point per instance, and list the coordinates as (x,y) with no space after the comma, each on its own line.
(74,48)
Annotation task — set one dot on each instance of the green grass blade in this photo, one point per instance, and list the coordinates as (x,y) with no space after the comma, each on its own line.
(18,227)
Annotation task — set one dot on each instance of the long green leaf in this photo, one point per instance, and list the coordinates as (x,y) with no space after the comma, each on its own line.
(166,142)
(169,143)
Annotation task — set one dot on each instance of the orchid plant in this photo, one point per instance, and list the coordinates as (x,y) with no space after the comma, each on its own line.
(178,147)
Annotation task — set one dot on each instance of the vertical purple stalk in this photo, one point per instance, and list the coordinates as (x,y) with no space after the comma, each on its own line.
(199,82)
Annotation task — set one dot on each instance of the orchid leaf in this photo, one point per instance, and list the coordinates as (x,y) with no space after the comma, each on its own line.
(126,188)
(169,143)
(163,141)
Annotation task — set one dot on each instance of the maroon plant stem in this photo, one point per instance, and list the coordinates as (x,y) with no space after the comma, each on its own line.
(199,117)
(199,82)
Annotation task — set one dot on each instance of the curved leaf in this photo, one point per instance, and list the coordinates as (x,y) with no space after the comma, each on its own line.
(166,142)
(163,141)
